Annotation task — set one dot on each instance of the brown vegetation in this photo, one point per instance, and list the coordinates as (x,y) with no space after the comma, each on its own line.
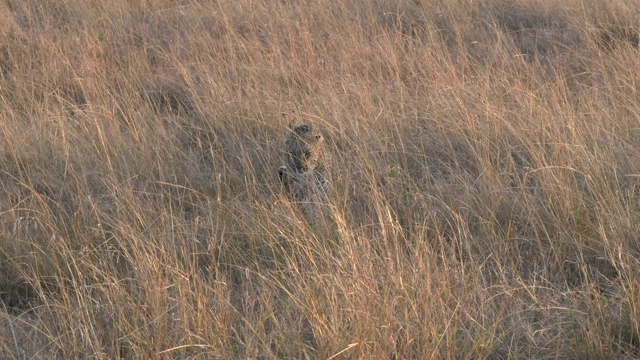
(486,201)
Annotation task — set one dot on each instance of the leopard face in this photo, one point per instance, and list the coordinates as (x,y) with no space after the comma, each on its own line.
(305,148)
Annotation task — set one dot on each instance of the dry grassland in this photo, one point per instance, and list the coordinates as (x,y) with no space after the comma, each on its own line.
(485,165)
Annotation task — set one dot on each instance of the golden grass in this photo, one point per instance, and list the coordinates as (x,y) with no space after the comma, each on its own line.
(485,167)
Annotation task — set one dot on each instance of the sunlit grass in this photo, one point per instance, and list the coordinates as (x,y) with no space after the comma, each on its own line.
(484,165)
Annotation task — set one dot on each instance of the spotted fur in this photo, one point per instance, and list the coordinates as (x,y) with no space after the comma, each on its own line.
(304,175)
(305,148)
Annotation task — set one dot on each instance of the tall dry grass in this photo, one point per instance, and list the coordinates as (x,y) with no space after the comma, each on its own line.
(486,176)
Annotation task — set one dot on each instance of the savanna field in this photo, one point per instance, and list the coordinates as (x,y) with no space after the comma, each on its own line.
(484,159)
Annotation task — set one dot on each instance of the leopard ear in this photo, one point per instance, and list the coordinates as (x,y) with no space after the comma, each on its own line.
(282,173)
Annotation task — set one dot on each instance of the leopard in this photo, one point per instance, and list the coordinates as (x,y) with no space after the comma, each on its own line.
(305,148)
(304,175)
